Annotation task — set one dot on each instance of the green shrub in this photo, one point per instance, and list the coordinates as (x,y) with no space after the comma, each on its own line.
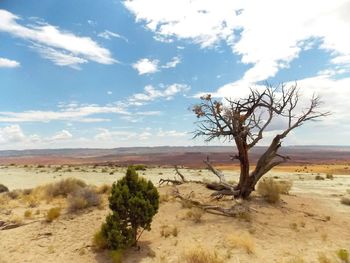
(133,201)
(99,241)
(343,255)
(117,255)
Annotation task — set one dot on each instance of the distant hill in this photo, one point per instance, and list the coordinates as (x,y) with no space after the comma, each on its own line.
(166,155)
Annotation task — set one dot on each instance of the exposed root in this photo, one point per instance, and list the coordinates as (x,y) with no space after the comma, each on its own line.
(234,211)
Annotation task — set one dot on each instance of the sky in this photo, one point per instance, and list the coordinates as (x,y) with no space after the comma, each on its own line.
(105,74)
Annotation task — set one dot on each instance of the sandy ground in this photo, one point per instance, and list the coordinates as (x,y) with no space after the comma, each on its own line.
(309,221)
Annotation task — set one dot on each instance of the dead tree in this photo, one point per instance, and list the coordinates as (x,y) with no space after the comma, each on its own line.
(244,122)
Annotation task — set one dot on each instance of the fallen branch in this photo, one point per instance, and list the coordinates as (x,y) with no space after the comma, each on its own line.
(176,181)
(222,188)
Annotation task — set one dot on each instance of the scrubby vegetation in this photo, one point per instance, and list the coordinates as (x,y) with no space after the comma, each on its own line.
(200,255)
(83,198)
(271,189)
(345,200)
(53,213)
(64,187)
(3,188)
(242,240)
(133,201)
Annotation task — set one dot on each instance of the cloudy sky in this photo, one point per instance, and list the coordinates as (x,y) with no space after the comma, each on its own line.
(124,73)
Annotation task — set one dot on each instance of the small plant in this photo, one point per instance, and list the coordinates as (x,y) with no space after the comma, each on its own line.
(83,198)
(99,241)
(117,255)
(28,214)
(195,214)
(133,201)
(164,198)
(319,177)
(345,200)
(242,240)
(199,255)
(294,226)
(64,187)
(3,188)
(186,204)
(14,194)
(268,189)
(52,214)
(343,255)
(329,176)
(167,231)
(284,186)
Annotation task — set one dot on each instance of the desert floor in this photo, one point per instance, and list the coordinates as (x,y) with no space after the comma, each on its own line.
(306,225)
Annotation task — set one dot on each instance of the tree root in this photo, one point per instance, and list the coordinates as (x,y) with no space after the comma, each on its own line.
(237,210)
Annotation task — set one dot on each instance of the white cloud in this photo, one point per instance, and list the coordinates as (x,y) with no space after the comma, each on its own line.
(266,34)
(62,47)
(109,34)
(10,134)
(173,63)
(70,112)
(150,93)
(146,66)
(8,63)
(171,133)
(62,135)
(59,58)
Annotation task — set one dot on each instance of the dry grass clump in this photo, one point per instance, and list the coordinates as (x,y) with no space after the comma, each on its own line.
(195,214)
(242,240)
(296,260)
(83,198)
(64,187)
(52,214)
(14,194)
(167,231)
(271,189)
(345,200)
(200,255)
(104,189)
(28,214)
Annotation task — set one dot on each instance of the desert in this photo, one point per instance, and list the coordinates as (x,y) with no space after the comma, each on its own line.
(307,224)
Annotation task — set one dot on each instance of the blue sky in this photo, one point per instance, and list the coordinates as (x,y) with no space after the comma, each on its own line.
(124,73)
